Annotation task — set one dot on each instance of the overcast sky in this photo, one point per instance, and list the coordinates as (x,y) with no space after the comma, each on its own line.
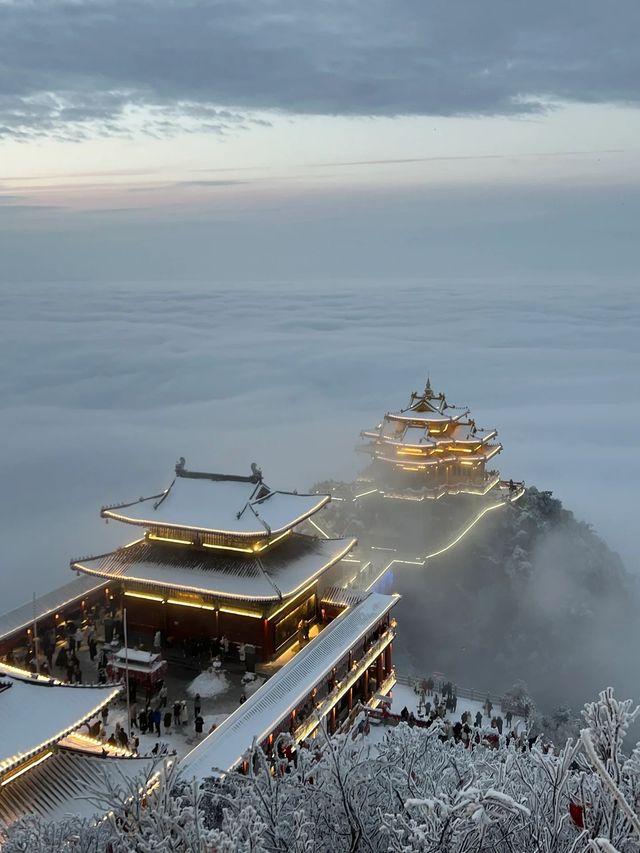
(141,139)
(201,202)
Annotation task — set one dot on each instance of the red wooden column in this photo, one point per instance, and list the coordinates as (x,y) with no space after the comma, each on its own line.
(366,685)
(379,670)
(332,720)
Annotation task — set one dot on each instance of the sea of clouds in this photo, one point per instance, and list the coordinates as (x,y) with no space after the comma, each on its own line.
(105,385)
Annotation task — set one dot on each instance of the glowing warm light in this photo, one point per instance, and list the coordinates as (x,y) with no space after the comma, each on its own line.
(261,547)
(360,667)
(364,494)
(376,579)
(190,604)
(146,595)
(291,600)
(236,611)
(452,543)
(19,758)
(351,544)
(169,539)
(102,572)
(11,776)
(229,548)
(319,529)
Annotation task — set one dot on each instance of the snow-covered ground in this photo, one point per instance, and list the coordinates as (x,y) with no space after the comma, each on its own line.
(208,684)
(403,696)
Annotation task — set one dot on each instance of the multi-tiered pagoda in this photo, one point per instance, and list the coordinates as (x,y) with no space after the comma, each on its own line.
(433,448)
(221,555)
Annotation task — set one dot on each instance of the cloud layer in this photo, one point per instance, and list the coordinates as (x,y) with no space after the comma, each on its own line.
(106,386)
(69,67)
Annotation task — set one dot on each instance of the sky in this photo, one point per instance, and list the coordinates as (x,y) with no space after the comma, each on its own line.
(272,220)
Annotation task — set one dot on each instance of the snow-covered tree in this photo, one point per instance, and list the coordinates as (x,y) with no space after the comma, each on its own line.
(412,791)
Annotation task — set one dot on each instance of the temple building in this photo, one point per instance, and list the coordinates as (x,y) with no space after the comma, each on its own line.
(434,448)
(346,667)
(48,766)
(221,555)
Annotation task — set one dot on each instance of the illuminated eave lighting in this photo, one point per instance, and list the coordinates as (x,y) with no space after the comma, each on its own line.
(146,595)
(319,529)
(11,762)
(11,776)
(193,604)
(211,592)
(364,494)
(332,562)
(375,581)
(235,548)
(262,547)
(169,539)
(291,600)
(236,611)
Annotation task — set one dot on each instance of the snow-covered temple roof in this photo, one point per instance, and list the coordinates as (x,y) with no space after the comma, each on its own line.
(218,503)
(61,785)
(37,712)
(422,436)
(428,428)
(284,691)
(268,576)
(22,617)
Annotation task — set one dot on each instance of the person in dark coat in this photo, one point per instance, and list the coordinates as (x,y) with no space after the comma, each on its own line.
(197,705)
(177,713)
(143,721)
(93,648)
(157,719)
(62,659)
(499,723)
(509,717)
(478,719)
(168,718)
(198,725)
